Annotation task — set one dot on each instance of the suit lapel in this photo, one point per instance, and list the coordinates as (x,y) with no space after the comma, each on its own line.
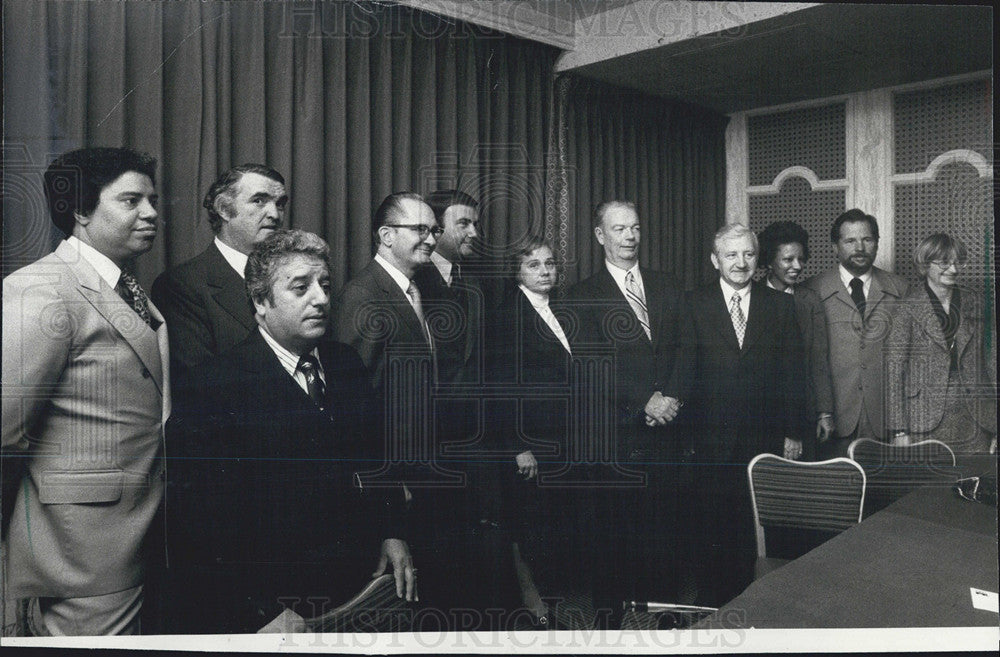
(718,310)
(654,295)
(397,300)
(264,366)
(756,320)
(116,312)
(228,289)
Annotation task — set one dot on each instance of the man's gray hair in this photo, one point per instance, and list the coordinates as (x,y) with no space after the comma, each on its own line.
(733,231)
(269,253)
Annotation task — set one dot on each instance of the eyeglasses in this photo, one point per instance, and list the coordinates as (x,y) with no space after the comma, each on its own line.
(421,230)
(945,265)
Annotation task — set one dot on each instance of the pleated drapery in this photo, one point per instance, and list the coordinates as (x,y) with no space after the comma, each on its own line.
(350,101)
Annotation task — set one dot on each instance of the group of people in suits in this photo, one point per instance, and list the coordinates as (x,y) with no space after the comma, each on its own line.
(242,448)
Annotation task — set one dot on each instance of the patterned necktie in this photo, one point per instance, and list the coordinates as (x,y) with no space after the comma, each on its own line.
(132,293)
(414,293)
(858,295)
(638,302)
(739,319)
(309,366)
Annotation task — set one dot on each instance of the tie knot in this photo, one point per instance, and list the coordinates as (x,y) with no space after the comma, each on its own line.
(308,363)
(857,285)
(735,301)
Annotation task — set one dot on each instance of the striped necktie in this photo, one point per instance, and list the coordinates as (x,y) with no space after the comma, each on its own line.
(638,302)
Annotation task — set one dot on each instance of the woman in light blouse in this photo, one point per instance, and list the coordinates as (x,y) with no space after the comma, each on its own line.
(529,351)
(941,356)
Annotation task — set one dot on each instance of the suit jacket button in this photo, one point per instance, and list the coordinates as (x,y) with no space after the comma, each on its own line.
(145,373)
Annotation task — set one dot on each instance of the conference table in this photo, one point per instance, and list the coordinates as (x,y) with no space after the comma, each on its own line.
(912,564)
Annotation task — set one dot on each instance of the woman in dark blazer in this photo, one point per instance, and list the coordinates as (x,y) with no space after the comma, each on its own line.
(529,354)
(941,356)
(784,251)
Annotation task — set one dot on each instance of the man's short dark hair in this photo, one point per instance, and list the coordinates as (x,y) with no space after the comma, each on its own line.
(853,215)
(778,234)
(443,199)
(390,208)
(74,180)
(268,254)
(226,186)
(603,208)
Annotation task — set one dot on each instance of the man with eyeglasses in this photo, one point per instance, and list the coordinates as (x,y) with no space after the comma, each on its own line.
(858,300)
(382,314)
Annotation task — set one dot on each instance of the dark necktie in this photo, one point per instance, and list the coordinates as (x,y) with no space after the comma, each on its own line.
(456,275)
(858,295)
(132,293)
(309,366)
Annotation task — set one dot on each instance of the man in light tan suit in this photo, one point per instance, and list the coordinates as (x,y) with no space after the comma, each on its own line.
(85,395)
(858,299)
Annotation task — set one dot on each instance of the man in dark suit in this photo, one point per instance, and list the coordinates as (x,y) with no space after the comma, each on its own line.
(204,299)
(859,300)
(85,394)
(265,511)
(632,315)
(381,313)
(445,289)
(747,398)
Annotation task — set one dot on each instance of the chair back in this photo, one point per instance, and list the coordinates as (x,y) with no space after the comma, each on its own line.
(893,471)
(825,496)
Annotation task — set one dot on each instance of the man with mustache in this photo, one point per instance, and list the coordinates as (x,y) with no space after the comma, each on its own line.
(85,395)
(632,314)
(858,299)
(204,299)
(265,515)
(747,398)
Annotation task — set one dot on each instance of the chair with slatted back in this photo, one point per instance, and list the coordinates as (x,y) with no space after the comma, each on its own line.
(893,471)
(824,497)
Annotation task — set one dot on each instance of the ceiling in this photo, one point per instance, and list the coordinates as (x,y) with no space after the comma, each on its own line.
(815,52)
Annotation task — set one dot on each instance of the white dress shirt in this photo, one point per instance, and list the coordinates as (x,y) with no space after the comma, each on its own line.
(619,274)
(846,277)
(236,260)
(444,266)
(106,269)
(290,361)
(727,293)
(540,303)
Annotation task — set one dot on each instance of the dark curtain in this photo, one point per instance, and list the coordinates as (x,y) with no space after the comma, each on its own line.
(667,157)
(350,101)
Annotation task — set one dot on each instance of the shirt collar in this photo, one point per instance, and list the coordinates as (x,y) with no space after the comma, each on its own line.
(788,290)
(106,269)
(846,276)
(236,260)
(444,266)
(728,290)
(619,274)
(288,359)
(401,280)
(537,300)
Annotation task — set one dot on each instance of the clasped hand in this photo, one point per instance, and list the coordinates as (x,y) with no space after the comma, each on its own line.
(660,409)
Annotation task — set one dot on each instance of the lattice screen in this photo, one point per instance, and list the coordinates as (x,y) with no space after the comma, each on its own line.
(928,123)
(813,137)
(814,211)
